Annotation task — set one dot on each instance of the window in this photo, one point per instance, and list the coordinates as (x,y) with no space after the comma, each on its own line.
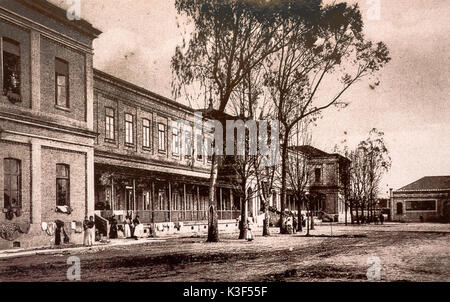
(12,183)
(62,185)
(62,83)
(175,142)
(187,144)
(129,126)
(110,124)
(210,148)
(318,174)
(11,70)
(161,137)
(199,148)
(421,205)
(146,133)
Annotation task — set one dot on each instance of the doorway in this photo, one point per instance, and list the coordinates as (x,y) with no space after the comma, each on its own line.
(399,208)
(129,199)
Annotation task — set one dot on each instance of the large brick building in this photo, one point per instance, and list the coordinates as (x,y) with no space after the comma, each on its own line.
(77,142)
(46,122)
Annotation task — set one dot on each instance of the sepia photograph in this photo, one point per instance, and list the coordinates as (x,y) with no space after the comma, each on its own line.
(203,142)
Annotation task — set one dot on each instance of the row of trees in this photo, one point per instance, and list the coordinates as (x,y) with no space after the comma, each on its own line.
(287,60)
(370,160)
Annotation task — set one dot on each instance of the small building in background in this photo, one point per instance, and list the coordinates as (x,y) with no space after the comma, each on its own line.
(425,200)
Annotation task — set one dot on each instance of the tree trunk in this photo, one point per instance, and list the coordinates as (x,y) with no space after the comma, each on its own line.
(357,214)
(346,210)
(243,226)
(266,225)
(351,212)
(213,219)
(299,215)
(284,158)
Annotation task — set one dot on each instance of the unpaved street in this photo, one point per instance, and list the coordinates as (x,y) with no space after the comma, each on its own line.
(408,252)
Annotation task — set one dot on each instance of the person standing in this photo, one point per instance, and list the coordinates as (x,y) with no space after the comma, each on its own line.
(138,228)
(127,230)
(249,229)
(87,232)
(91,231)
(113,228)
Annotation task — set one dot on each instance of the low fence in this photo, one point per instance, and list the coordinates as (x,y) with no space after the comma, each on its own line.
(176,216)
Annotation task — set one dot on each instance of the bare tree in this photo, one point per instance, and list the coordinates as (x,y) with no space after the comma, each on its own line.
(369,162)
(329,47)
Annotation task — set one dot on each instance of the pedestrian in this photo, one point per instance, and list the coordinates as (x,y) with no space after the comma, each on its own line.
(86,231)
(127,231)
(249,229)
(113,228)
(294,224)
(138,228)
(381,218)
(289,224)
(89,229)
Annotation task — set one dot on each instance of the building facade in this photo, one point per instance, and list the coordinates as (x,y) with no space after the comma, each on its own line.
(146,162)
(46,123)
(327,175)
(76,142)
(425,200)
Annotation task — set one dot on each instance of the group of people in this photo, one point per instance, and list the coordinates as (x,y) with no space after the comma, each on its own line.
(131,228)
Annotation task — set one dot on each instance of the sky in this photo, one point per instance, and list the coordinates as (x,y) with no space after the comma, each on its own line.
(411,105)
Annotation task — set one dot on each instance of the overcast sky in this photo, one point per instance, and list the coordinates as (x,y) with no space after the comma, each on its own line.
(411,105)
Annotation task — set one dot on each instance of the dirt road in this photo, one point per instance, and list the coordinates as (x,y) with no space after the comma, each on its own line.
(407,252)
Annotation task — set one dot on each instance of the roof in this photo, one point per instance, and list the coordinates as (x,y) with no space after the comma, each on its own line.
(310,151)
(429,183)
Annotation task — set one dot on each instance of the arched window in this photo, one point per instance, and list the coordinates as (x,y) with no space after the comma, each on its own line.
(12,183)
(62,185)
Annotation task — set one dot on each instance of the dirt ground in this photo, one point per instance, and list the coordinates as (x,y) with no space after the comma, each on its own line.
(408,252)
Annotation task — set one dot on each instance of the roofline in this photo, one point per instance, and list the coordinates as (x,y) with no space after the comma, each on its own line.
(60,14)
(424,190)
(421,190)
(328,155)
(130,86)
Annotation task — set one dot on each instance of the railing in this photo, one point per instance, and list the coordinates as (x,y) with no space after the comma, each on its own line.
(146,216)
(180,215)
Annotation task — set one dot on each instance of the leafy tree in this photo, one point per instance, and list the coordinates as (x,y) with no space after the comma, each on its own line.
(228,39)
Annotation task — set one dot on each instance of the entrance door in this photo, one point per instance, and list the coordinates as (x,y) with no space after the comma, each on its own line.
(399,208)
(129,199)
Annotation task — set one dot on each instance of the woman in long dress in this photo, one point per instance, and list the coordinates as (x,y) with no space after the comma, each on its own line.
(127,228)
(249,229)
(138,228)
(113,228)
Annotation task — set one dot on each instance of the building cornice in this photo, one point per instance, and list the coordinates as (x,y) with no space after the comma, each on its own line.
(46,32)
(55,12)
(46,125)
(132,88)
